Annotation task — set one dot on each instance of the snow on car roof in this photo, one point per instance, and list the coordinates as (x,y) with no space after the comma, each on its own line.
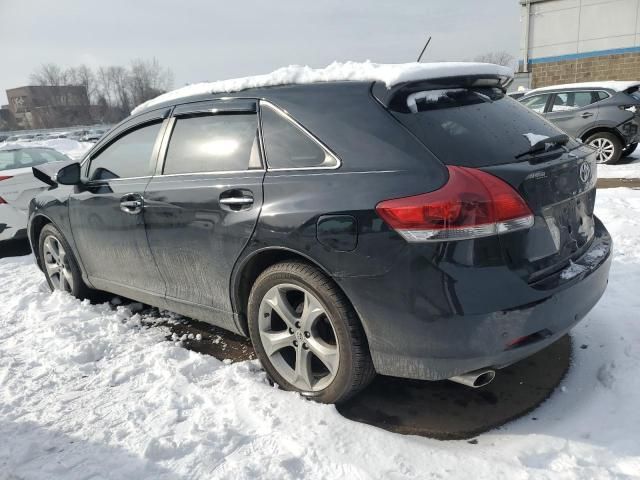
(616,85)
(389,74)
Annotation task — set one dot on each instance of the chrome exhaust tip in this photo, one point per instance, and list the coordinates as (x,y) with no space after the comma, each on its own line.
(475,379)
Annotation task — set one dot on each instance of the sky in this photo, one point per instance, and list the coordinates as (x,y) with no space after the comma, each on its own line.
(206,40)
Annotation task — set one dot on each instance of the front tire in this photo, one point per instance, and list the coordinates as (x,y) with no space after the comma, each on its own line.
(608,147)
(307,335)
(59,264)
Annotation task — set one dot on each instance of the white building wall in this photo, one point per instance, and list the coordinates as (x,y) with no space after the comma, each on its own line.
(578,28)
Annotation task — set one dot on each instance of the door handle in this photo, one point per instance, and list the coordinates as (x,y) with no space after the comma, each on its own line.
(236,200)
(132,204)
(587,115)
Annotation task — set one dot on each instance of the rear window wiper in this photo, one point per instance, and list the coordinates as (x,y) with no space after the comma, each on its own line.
(545,144)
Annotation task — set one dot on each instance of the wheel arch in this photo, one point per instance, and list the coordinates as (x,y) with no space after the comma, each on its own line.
(248,270)
(602,129)
(37,223)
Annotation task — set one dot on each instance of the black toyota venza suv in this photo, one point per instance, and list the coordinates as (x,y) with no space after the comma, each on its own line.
(431,229)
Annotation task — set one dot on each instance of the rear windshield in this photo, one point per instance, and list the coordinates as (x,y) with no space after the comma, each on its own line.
(473,127)
(28,157)
(633,91)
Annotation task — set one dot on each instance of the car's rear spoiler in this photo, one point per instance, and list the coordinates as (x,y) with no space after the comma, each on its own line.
(47,172)
(398,93)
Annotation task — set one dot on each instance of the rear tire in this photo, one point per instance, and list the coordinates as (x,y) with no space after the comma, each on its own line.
(59,264)
(629,150)
(307,335)
(608,147)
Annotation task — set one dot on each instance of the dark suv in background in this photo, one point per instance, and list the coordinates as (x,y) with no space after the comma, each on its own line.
(347,227)
(603,115)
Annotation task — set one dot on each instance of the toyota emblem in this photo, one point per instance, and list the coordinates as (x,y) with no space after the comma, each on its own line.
(585,172)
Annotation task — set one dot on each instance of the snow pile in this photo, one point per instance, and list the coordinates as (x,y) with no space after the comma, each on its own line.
(616,85)
(389,74)
(71,148)
(92,392)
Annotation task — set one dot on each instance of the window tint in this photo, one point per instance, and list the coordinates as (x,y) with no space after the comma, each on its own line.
(536,103)
(602,95)
(287,146)
(571,100)
(213,143)
(476,127)
(129,156)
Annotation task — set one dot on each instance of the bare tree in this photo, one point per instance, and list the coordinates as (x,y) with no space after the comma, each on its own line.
(147,79)
(114,89)
(83,76)
(497,58)
(49,74)
(119,78)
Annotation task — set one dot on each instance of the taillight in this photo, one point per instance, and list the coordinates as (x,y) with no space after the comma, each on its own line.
(2,200)
(629,108)
(472,204)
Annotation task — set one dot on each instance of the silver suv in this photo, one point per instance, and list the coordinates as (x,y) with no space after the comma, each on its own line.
(605,115)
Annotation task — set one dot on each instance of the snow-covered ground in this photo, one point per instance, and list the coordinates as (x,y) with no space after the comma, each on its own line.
(627,168)
(94,392)
(72,148)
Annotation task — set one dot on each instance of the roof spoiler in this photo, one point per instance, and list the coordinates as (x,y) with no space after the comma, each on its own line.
(396,96)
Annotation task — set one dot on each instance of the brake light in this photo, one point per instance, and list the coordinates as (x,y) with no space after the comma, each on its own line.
(629,108)
(2,200)
(472,204)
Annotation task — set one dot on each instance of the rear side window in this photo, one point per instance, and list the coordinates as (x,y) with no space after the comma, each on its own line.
(29,157)
(566,101)
(129,156)
(288,146)
(213,143)
(536,103)
(474,127)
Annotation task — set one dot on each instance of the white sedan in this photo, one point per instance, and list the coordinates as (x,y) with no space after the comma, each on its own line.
(18,185)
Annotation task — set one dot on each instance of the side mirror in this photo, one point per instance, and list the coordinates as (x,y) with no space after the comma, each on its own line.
(69,175)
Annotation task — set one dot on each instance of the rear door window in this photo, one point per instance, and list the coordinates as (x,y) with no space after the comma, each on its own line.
(287,146)
(567,101)
(213,143)
(474,127)
(128,157)
(536,103)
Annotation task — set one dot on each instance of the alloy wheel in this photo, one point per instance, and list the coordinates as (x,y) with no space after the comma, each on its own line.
(56,264)
(298,337)
(604,149)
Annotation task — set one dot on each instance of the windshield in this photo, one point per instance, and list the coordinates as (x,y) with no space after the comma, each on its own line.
(474,127)
(28,157)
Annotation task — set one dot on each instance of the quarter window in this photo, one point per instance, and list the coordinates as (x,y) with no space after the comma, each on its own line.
(127,157)
(536,103)
(287,146)
(213,143)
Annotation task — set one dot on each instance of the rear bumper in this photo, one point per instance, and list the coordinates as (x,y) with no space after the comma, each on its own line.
(412,342)
(13,223)
(630,131)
